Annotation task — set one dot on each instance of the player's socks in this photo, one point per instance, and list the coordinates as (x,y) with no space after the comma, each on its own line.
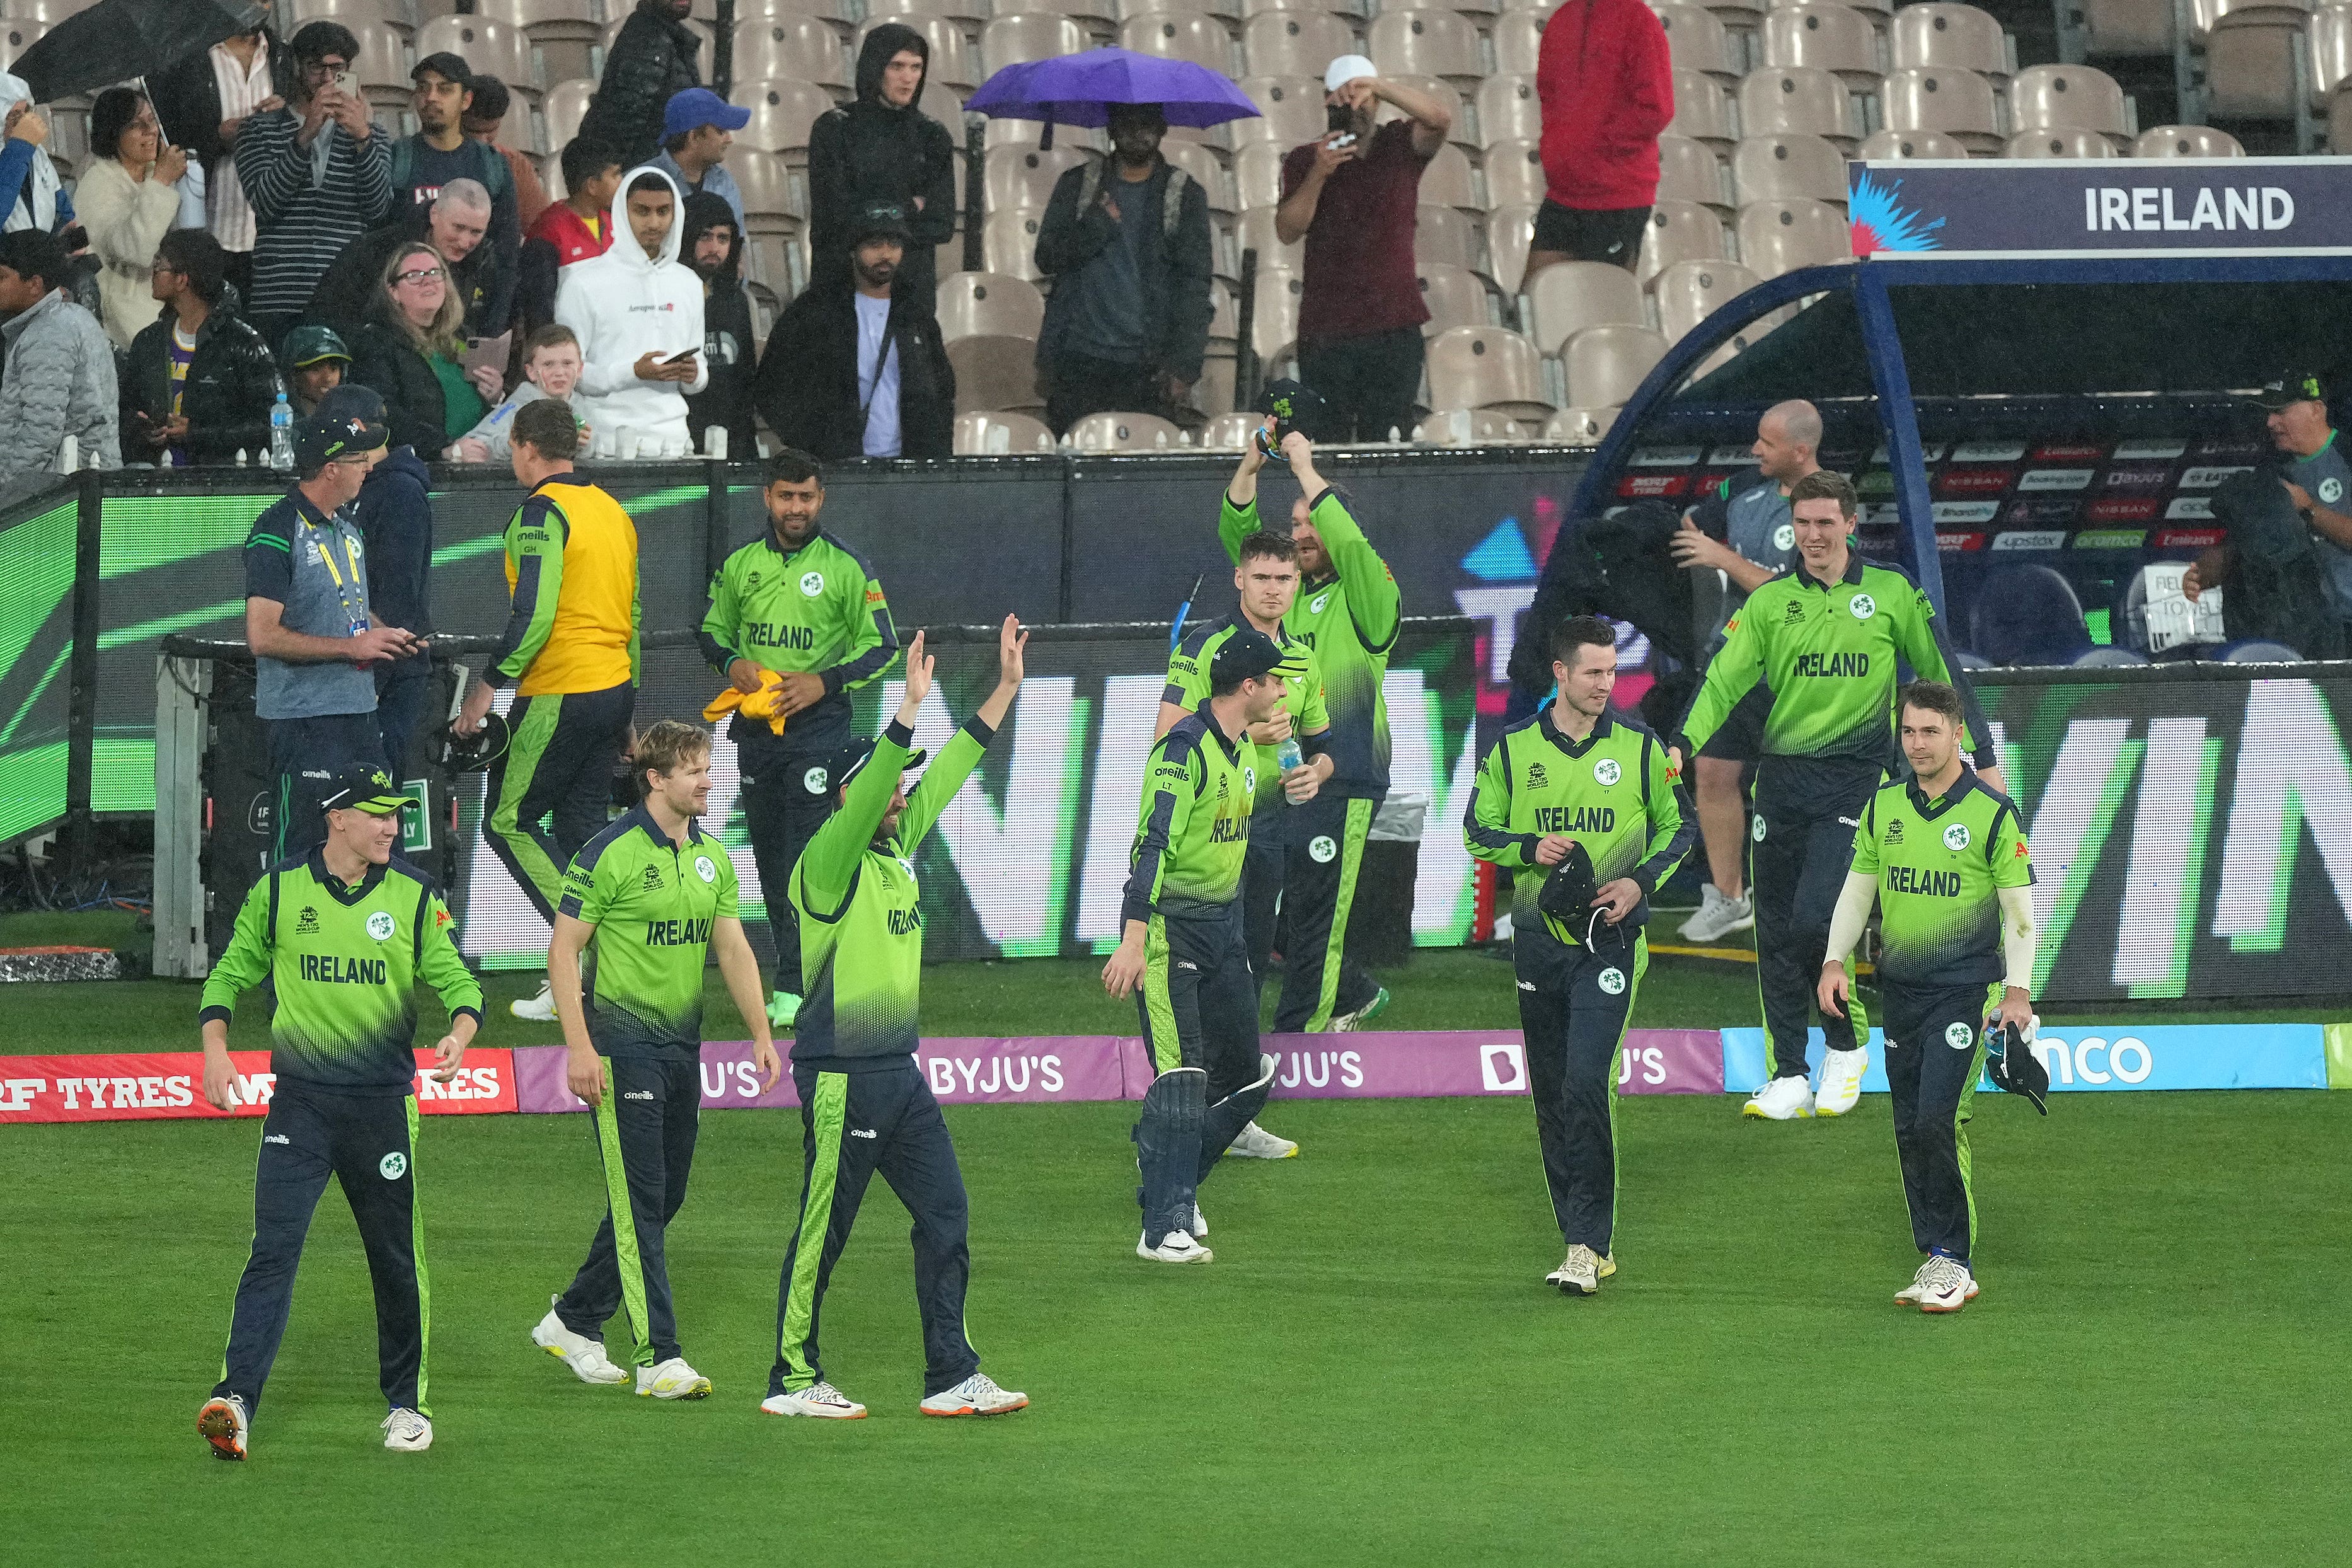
(1782,1100)
(1255,1143)
(1841,1082)
(818,1399)
(585,1357)
(407,1431)
(1579,1273)
(672,1379)
(1176,1247)
(975,1396)
(222,1422)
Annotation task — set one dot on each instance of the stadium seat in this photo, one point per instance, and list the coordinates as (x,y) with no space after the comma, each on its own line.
(564,33)
(16,36)
(1508,111)
(1930,36)
(1885,146)
(1024,36)
(1568,296)
(1487,367)
(381,63)
(1788,168)
(1688,293)
(802,48)
(1274,328)
(1008,243)
(2187,141)
(1454,296)
(1703,109)
(772,201)
(1605,364)
(1688,171)
(1099,18)
(995,374)
(1257,175)
(1254,230)
(999,433)
(1230,432)
(2250,64)
(2130,27)
(953,60)
(1680,231)
(1405,43)
(945,104)
(782,112)
(567,105)
(1580,427)
(1515,173)
(971,14)
(1467,427)
(1826,36)
(1448,179)
(1443,234)
(1510,230)
(2258,652)
(1518,39)
(1697,41)
(1781,236)
(1960,103)
(1024,177)
(352,13)
(1295,43)
(2059,98)
(2330,36)
(1806,101)
(1290,110)
(2058,144)
(1179,36)
(1446,93)
(776,262)
(1124,433)
(2028,615)
(1202,164)
(2107,658)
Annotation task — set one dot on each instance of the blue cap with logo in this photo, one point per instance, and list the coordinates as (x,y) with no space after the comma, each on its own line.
(696,107)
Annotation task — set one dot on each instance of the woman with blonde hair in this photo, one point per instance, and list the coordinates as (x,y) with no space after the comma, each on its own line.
(411,353)
(128,200)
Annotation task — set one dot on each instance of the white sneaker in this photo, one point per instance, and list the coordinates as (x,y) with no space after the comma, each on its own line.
(406,1432)
(1719,917)
(1200,1225)
(1949,1285)
(1177,1246)
(819,1399)
(222,1422)
(539,1009)
(1909,1295)
(673,1379)
(1255,1143)
(1841,1082)
(1347,1023)
(585,1357)
(1782,1100)
(975,1396)
(1579,1273)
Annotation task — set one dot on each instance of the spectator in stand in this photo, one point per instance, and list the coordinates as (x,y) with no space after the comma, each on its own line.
(394,517)
(440,154)
(881,151)
(25,166)
(639,316)
(318,174)
(59,380)
(2286,552)
(697,128)
(128,203)
(575,229)
(714,247)
(199,382)
(858,370)
(551,368)
(204,102)
(1353,197)
(456,226)
(1607,87)
(1129,319)
(410,352)
(652,60)
(481,121)
(316,361)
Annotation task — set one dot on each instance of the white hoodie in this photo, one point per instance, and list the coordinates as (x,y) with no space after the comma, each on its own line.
(622,305)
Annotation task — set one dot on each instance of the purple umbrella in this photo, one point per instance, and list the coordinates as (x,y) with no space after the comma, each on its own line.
(1078,90)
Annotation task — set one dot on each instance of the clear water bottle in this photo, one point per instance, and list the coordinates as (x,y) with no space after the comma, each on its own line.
(1288,755)
(281,435)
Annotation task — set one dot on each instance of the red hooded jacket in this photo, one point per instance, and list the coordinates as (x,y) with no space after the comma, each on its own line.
(1607,86)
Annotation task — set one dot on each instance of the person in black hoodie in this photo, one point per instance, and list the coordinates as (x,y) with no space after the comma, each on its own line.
(829,388)
(713,245)
(221,403)
(881,151)
(652,57)
(394,517)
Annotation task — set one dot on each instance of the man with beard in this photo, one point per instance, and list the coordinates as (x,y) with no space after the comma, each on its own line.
(441,153)
(882,151)
(855,368)
(652,60)
(713,247)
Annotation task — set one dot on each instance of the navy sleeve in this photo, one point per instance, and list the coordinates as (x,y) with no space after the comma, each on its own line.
(269,561)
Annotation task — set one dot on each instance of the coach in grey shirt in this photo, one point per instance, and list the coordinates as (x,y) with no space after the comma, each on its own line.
(306,621)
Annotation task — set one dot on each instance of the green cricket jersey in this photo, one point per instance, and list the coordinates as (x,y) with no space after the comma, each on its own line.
(1940,865)
(1193,832)
(1827,652)
(1351,619)
(1302,698)
(1611,791)
(858,899)
(819,608)
(652,902)
(344,962)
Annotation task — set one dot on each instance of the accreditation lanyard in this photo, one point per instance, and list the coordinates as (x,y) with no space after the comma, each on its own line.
(356,615)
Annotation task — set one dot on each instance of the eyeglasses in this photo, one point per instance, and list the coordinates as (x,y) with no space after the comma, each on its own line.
(421,275)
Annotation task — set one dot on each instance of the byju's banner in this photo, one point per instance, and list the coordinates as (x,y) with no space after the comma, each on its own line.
(2101,206)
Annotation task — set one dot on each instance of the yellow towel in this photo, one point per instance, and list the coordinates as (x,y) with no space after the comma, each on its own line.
(760,704)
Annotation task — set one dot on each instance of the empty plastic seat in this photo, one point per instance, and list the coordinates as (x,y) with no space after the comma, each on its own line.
(1425,43)
(1697,41)
(1444,233)
(381,64)
(2140,27)
(1467,427)
(567,105)
(1257,175)
(771,201)
(1931,35)
(2250,57)
(1295,43)
(2028,615)
(2187,141)
(1273,326)
(1509,109)
(1448,179)
(782,112)
(1517,37)
(1510,230)
(1885,146)
(2052,98)
(1605,364)
(1290,110)
(970,13)
(1099,16)
(1254,230)
(1031,35)
(801,48)
(1230,432)
(999,433)
(1703,109)
(1679,231)
(1826,36)
(1024,177)
(1580,427)
(1568,296)
(1515,173)
(952,58)
(1688,293)
(2058,144)
(995,374)
(1124,433)
(1454,296)
(1689,170)
(1781,236)
(1787,168)
(1201,163)
(1957,102)
(945,104)
(1784,100)
(1179,36)
(16,36)
(1486,367)
(989,305)
(564,33)
(352,13)
(2331,51)
(1008,242)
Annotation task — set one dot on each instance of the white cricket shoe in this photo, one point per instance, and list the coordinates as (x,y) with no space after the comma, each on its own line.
(539,1009)
(1579,1273)
(1841,1082)
(1782,1100)
(1200,1225)
(1255,1143)
(1909,1295)
(406,1432)
(672,1379)
(1719,917)
(1949,1285)
(1347,1023)
(975,1396)
(222,1422)
(1177,1246)
(585,1357)
(818,1399)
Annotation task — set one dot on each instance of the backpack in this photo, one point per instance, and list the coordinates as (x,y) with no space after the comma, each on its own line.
(1172,205)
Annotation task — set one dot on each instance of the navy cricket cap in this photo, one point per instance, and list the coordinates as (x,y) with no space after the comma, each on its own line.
(348,419)
(845,765)
(363,789)
(2292,387)
(1248,653)
(2016,1067)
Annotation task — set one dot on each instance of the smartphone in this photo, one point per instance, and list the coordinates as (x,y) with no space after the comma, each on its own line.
(1339,116)
(682,356)
(347,84)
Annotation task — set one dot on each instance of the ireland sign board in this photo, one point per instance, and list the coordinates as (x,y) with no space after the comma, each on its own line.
(2101,206)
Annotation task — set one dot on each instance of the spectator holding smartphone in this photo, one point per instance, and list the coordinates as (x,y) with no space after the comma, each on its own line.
(410,353)
(637,313)
(128,204)
(198,383)
(551,368)
(25,166)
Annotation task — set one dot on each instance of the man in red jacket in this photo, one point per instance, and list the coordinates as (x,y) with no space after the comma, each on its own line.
(1607,86)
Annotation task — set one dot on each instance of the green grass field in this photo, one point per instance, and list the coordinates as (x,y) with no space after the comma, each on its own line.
(1370,1372)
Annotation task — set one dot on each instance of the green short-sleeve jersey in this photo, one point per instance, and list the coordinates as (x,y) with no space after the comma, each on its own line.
(818,607)
(1940,865)
(344,962)
(1612,792)
(1302,695)
(1193,834)
(652,902)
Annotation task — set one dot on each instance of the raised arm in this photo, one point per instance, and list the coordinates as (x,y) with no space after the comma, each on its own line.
(955,761)
(1374,603)
(828,868)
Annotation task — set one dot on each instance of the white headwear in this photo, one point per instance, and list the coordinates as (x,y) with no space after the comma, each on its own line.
(1347,69)
(41,210)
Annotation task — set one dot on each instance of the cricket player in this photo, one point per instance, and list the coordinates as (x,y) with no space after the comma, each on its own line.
(646,899)
(799,602)
(341,935)
(866,1106)
(1182,948)
(1267,581)
(1824,640)
(1944,856)
(1577,779)
(1348,611)
(570,652)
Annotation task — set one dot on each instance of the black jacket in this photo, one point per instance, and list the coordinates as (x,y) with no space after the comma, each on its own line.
(652,57)
(232,386)
(394,517)
(869,155)
(353,285)
(1174,273)
(808,386)
(188,104)
(2279,588)
(729,347)
(385,360)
